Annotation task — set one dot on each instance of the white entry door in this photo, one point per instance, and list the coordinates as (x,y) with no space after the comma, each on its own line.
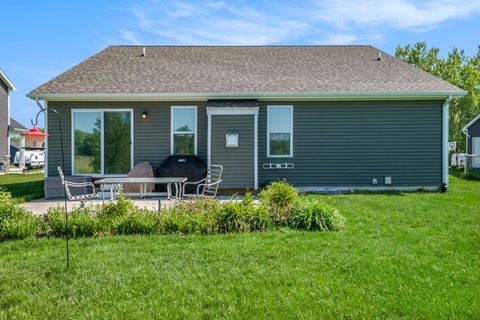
(476,151)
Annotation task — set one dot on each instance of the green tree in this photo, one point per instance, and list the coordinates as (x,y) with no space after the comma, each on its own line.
(458,69)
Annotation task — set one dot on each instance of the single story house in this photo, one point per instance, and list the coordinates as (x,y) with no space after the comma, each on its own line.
(6,86)
(317,116)
(472,134)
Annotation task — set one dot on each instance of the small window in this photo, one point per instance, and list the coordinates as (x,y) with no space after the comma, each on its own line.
(184,130)
(279,131)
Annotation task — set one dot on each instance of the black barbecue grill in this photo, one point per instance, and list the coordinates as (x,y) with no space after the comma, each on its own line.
(190,167)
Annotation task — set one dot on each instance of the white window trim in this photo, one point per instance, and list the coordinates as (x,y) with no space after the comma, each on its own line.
(102,142)
(290,131)
(172,132)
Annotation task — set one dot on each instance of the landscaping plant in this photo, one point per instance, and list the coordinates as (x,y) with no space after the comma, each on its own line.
(280,197)
(315,215)
(15,222)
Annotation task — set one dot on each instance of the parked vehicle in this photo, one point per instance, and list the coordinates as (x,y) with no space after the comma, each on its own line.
(33,158)
(458,160)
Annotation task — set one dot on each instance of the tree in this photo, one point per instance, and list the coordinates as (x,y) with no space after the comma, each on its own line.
(458,69)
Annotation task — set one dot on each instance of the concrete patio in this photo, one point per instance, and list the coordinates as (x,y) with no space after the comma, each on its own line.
(41,206)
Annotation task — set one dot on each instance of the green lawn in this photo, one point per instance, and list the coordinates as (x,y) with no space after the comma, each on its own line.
(23,187)
(401,256)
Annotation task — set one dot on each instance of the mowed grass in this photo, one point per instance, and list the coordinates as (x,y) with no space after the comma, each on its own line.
(23,187)
(402,256)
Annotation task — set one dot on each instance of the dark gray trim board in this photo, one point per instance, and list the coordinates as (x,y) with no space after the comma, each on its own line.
(335,144)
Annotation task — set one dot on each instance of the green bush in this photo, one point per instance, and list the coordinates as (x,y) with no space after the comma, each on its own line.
(243,216)
(15,222)
(279,196)
(123,206)
(316,216)
(194,216)
(81,223)
(137,222)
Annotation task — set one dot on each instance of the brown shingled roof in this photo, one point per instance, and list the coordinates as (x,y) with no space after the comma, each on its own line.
(243,69)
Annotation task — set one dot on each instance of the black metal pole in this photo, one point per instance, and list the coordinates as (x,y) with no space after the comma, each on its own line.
(45,111)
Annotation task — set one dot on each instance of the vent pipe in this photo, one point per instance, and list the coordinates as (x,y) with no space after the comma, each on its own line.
(379,56)
(143,52)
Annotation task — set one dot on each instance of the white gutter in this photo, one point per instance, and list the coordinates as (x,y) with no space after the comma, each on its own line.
(204,96)
(7,81)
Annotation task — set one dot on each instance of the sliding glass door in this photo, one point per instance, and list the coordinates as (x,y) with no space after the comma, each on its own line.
(102,141)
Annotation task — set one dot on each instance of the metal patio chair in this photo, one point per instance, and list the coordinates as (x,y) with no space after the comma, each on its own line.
(83,198)
(208,186)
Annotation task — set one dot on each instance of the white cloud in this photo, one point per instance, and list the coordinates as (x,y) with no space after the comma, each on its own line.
(397,14)
(216,23)
(259,23)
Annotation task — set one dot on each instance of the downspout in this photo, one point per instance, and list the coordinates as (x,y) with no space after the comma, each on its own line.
(445,143)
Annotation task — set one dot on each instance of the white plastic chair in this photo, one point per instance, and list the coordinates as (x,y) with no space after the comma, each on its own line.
(83,198)
(207,187)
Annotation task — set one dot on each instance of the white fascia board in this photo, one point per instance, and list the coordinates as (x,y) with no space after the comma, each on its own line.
(465,129)
(265,96)
(7,81)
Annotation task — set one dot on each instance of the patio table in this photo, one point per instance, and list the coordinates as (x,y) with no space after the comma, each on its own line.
(120,181)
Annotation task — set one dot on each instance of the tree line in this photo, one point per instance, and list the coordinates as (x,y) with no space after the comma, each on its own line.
(457,68)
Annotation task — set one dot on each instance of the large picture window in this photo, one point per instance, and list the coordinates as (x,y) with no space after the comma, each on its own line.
(184,130)
(102,141)
(279,131)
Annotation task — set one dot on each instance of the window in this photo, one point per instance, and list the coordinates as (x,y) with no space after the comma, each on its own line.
(279,131)
(184,130)
(102,141)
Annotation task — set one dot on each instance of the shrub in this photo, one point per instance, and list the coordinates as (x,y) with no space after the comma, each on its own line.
(243,216)
(279,196)
(81,223)
(194,216)
(15,222)
(123,206)
(137,222)
(316,216)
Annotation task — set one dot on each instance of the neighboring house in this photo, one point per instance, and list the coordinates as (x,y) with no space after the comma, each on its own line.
(5,87)
(472,133)
(15,129)
(317,116)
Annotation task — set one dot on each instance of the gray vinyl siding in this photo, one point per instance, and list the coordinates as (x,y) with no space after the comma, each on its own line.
(238,163)
(473,131)
(151,135)
(3,120)
(334,143)
(349,143)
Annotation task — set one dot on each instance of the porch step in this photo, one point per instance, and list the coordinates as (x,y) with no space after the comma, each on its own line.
(325,190)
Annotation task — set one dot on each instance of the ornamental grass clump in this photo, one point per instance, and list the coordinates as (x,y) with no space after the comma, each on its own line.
(15,222)
(243,216)
(315,215)
(81,223)
(279,197)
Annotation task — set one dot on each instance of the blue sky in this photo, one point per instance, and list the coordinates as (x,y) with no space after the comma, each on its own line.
(45,38)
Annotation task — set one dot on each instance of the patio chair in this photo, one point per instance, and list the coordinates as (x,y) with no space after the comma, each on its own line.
(207,187)
(83,198)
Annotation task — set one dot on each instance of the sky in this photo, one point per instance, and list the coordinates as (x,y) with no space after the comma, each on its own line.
(42,39)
